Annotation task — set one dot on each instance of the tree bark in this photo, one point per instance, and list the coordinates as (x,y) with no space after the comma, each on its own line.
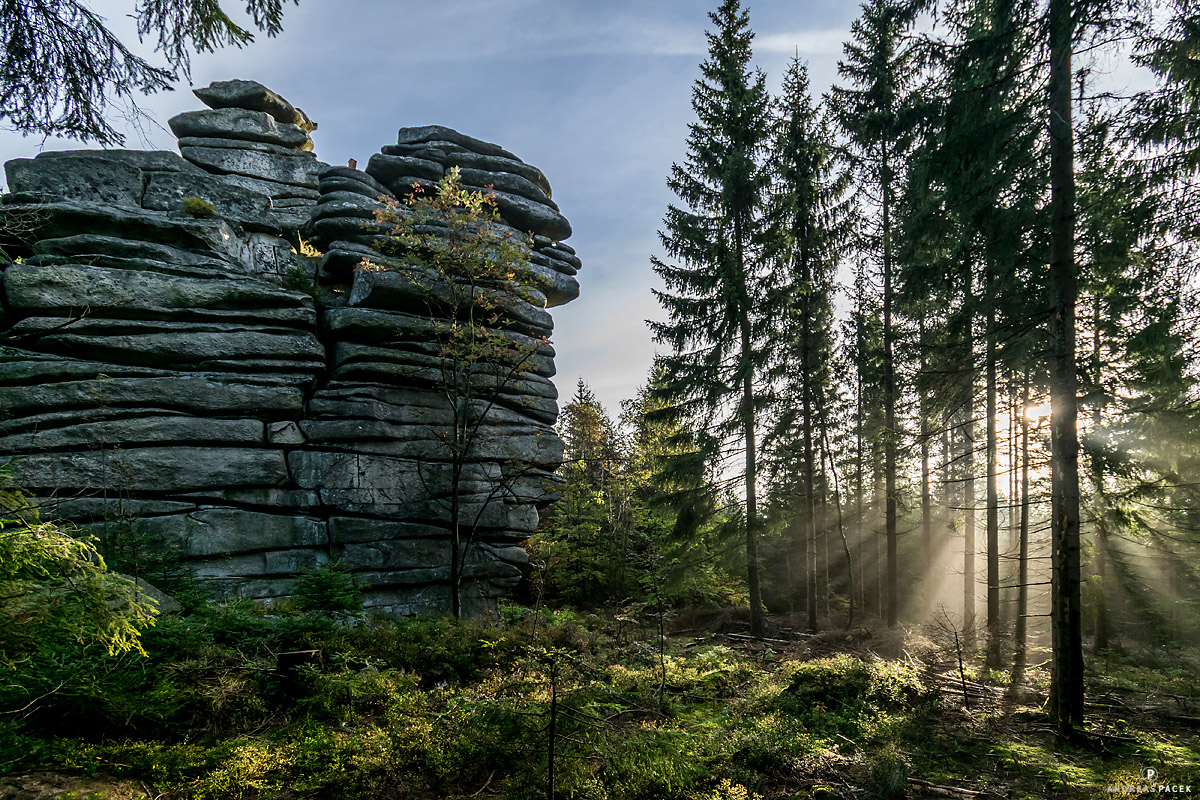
(926,498)
(859,527)
(1066,676)
(824,530)
(992,658)
(1018,670)
(877,536)
(890,433)
(1101,529)
(947,471)
(968,473)
(1008,597)
(806,408)
(969,577)
(837,500)
(756,622)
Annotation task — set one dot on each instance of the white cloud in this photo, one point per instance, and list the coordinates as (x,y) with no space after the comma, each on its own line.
(807,43)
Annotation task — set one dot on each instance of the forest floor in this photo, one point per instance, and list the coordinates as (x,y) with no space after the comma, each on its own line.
(231,702)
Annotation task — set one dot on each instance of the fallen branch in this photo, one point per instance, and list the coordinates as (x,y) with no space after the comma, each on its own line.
(944,791)
(486,784)
(743,637)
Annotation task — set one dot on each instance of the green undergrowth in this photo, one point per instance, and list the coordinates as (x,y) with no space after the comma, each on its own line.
(431,708)
(1161,670)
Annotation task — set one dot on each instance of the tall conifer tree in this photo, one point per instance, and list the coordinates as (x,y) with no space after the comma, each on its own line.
(715,290)
(1066,674)
(809,226)
(981,158)
(877,112)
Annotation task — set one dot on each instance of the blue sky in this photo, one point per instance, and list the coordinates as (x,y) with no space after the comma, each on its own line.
(596,94)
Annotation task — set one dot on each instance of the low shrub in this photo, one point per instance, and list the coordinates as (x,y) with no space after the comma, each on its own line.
(329,587)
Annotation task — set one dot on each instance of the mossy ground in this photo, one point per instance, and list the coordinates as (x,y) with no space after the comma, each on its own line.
(435,709)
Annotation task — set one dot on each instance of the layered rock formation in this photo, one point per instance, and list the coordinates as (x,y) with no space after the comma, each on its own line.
(255,409)
(256,141)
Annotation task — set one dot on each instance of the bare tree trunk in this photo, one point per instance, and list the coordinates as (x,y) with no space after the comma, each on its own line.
(1066,676)
(926,499)
(825,531)
(756,622)
(969,577)
(948,484)
(460,448)
(1102,639)
(859,527)
(811,545)
(992,658)
(837,501)
(1019,635)
(810,513)
(1099,505)
(1008,600)
(890,435)
(552,733)
(880,563)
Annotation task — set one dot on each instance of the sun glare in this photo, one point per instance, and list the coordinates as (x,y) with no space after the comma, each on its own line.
(1038,411)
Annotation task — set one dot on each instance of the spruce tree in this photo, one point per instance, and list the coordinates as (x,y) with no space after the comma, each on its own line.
(1167,119)
(861,357)
(1066,674)
(1119,265)
(981,156)
(586,532)
(715,288)
(876,110)
(809,227)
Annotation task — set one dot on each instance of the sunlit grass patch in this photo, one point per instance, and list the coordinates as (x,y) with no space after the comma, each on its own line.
(1177,760)
(1175,671)
(1057,769)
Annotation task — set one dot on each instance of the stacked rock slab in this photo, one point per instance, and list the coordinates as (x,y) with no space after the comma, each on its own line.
(257,141)
(156,375)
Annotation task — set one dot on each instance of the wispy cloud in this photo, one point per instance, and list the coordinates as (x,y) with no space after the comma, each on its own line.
(806,43)
(558,33)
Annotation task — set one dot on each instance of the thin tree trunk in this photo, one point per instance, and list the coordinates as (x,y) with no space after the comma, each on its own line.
(992,658)
(552,733)
(1018,670)
(878,539)
(859,527)
(811,545)
(825,531)
(969,577)
(749,434)
(1009,597)
(456,470)
(1099,505)
(756,622)
(948,486)
(837,500)
(1102,640)
(810,518)
(1066,676)
(926,498)
(891,435)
